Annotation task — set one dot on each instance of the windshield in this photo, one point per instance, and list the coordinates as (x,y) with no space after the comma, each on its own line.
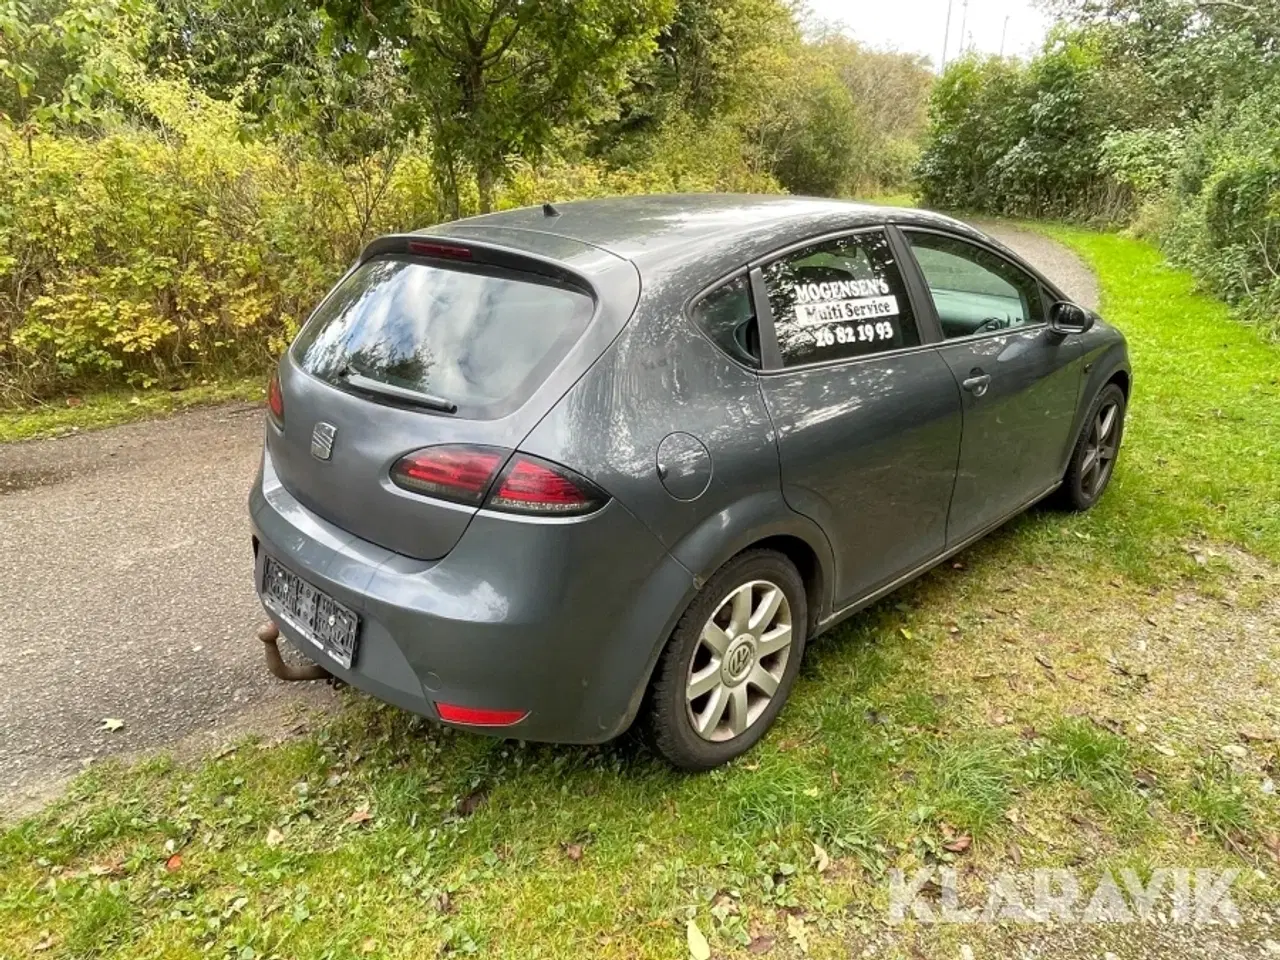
(483,340)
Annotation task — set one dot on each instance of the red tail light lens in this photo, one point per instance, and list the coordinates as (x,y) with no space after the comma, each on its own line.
(462,474)
(275,400)
(533,486)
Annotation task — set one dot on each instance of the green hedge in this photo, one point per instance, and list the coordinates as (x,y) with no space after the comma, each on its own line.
(157,256)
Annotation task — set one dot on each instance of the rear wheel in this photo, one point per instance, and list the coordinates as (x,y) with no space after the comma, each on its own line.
(1097,447)
(730,663)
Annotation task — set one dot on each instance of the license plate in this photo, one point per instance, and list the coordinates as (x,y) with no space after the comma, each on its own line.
(313,613)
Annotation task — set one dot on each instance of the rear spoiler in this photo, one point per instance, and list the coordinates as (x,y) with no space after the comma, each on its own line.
(453,251)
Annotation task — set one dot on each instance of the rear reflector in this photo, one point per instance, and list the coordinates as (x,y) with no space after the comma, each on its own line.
(480,718)
(275,400)
(462,474)
(534,486)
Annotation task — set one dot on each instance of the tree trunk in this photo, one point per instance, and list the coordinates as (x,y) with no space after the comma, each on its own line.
(485,180)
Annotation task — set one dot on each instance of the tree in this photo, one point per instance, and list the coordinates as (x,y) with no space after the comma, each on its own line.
(497,78)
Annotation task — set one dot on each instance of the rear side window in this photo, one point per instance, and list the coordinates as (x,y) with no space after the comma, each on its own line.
(839,299)
(483,339)
(727,316)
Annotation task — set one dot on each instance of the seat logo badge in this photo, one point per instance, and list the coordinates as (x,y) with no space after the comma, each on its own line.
(322,440)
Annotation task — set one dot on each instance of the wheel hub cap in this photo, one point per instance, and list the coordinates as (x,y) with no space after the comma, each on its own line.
(739,661)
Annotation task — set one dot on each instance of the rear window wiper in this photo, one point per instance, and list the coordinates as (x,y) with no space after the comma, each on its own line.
(368,385)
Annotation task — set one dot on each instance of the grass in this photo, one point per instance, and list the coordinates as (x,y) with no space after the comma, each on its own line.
(110,408)
(1048,699)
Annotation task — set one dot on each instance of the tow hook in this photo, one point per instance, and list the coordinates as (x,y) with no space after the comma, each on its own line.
(269,634)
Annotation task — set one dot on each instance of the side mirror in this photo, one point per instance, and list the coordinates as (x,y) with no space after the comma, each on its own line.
(1066,318)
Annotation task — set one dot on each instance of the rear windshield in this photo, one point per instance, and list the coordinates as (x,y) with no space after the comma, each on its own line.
(484,339)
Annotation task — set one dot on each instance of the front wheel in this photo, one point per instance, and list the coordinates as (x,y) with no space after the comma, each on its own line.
(730,663)
(1094,458)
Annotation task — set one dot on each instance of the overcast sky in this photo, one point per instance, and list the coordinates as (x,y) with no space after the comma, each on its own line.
(917,26)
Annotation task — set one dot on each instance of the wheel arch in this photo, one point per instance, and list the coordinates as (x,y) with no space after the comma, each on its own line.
(759,521)
(1122,380)
(1110,366)
(763,520)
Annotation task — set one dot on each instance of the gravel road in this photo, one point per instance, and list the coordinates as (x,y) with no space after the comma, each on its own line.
(128,595)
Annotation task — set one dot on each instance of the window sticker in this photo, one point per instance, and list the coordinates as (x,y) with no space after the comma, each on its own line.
(839,298)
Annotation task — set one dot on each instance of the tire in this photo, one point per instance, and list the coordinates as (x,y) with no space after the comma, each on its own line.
(1091,467)
(709,651)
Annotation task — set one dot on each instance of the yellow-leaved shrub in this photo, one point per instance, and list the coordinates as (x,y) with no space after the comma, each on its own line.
(185,248)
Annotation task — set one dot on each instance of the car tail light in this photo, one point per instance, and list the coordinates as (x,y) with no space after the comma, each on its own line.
(476,717)
(533,486)
(275,400)
(462,474)
(465,474)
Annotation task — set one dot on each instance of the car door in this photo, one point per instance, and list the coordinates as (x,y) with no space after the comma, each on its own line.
(1019,379)
(866,411)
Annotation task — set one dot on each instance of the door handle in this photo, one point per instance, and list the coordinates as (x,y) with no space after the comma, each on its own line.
(977,384)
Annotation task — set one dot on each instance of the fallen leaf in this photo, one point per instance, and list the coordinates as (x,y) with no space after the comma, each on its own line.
(359,817)
(796,931)
(472,802)
(699,949)
(822,862)
(573,851)
(959,845)
(111,725)
(274,837)
(174,863)
(1257,736)
(759,945)
(444,903)
(1272,843)
(1044,661)
(1015,854)
(45,942)
(368,945)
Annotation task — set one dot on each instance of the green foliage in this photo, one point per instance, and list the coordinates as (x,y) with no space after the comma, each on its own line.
(181,180)
(1162,113)
(497,78)
(145,256)
(1023,139)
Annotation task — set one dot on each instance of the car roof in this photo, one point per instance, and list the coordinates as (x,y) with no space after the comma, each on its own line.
(701,235)
(653,228)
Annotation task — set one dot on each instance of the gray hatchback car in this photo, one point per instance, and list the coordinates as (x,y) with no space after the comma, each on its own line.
(548,471)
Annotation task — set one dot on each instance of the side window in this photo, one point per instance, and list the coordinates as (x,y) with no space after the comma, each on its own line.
(727,316)
(975,291)
(838,299)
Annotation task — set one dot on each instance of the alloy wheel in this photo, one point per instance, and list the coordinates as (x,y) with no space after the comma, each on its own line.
(1100,450)
(739,661)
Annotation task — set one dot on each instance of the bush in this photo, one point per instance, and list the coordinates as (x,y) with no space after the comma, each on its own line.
(154,256)
(1226,197)
(1101,126)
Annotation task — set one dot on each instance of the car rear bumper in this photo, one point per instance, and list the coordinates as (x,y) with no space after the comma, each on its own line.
(563,618)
